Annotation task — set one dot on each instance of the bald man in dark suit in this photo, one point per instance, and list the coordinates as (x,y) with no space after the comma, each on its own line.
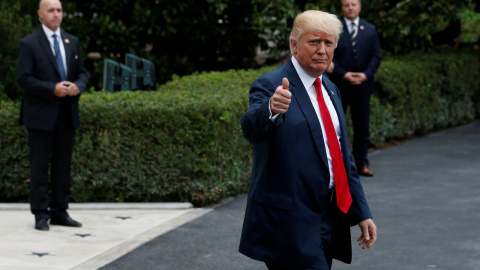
(51,72)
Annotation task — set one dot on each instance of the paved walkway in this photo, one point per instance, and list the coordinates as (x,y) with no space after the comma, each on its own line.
(425,198)
(109,231)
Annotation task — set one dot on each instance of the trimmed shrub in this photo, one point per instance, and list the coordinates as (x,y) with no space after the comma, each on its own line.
(182,143)
(429,91)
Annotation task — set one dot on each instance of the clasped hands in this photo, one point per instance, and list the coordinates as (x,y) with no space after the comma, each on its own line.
(65,88)
(355,78)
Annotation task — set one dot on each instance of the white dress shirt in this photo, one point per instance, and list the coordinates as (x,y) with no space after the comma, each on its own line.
(49,34)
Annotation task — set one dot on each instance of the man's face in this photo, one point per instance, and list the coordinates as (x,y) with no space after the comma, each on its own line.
(51,14)
(351,9)
(314,51)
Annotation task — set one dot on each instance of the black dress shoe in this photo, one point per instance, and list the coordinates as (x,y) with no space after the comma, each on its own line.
(65,221)
(41,225)
(365,171)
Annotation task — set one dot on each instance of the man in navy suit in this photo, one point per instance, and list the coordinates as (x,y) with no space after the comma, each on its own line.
(51,72)
(357,58)
(295,217)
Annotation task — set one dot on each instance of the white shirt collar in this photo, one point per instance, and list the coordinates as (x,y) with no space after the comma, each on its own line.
(306,78)
(49,32)
(349,23)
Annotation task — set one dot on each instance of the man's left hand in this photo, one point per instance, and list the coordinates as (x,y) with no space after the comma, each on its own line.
(369,233)
(355,78)
(72,89)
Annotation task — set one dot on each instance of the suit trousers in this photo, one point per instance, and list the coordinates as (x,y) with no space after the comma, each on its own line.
(360,112)
(323,262)
(52,148)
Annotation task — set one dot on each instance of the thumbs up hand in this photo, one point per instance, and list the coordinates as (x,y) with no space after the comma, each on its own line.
(281,99)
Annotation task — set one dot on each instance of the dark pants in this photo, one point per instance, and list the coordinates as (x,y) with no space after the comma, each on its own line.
(52,149)
(323,262)
(360,111)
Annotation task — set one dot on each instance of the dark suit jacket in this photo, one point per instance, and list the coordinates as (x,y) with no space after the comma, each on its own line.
(284,218)
(37,74)
(366,58)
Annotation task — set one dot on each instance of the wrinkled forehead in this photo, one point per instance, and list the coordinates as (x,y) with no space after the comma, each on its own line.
(317,35)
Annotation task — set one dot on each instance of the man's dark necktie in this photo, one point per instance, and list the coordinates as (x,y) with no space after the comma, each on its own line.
(58,57)
(353,34)
(344,199)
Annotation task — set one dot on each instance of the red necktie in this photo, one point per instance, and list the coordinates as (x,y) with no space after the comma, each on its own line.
(344,199)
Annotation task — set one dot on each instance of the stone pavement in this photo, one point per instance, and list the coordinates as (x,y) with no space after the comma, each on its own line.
(425,198)
(109,231)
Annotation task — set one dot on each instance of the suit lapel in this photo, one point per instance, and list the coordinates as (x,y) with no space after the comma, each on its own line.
(45,44)
(334,98)
(360,30)
(305,105)
(68,51)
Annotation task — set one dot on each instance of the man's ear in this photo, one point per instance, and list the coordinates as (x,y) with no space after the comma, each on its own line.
(39,15)
(293,45)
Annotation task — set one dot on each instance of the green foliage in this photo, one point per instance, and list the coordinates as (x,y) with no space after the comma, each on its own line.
(272,21)
(470,26)
(184,37)
(14,159)
(412,24)
(179,37)
(429,91)
(14,24)
(406,25)
(184,142)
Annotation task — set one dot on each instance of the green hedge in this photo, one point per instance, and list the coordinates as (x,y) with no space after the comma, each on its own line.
(422,92)
(181,143)
(184,141)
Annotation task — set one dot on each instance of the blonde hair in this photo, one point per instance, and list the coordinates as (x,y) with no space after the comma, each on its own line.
(314,21)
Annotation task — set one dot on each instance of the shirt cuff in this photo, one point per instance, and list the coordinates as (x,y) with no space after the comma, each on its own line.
(276,120)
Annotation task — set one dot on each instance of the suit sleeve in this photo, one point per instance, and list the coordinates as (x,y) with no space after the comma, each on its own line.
(81,74)
(256,123)
(25,74)
(376,56)
(338,70)
(359,209)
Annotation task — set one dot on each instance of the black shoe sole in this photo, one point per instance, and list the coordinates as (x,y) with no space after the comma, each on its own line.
(65,224)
